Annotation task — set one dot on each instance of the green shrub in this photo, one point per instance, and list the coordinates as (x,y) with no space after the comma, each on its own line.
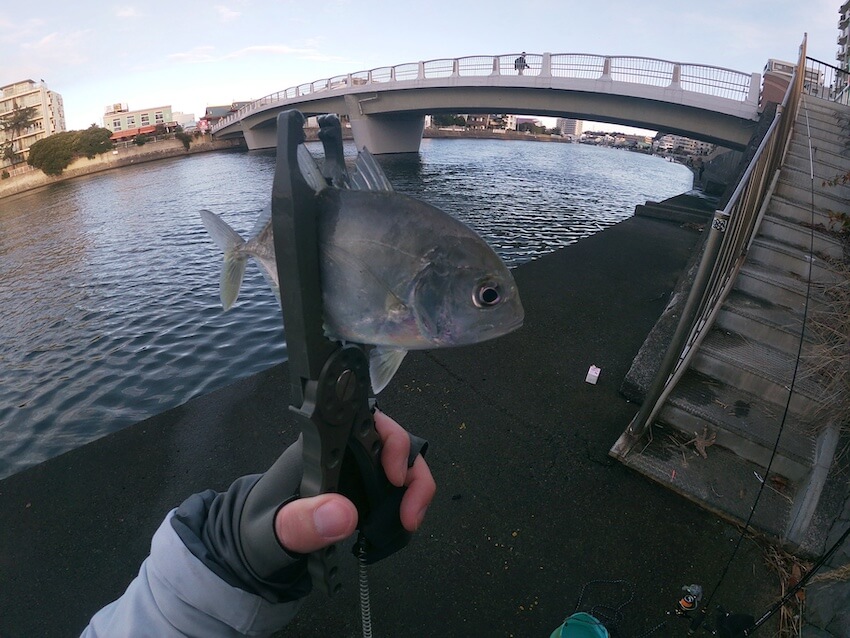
(185,138)
(141,140)
(53,154)
(5,175)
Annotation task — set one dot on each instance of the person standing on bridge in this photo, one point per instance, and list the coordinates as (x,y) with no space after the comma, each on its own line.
(520,64)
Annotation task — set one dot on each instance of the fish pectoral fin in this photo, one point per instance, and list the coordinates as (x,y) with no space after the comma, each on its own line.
(383,364)
(232,273)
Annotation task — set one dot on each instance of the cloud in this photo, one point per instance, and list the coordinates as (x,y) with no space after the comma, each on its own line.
(282,49)
(57,48)
(225,14)
(127,12)
(14,32)
(195,55)
(206,53)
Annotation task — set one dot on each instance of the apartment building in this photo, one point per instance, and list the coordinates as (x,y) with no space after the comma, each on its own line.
(48,117)
(125,123)
(570,127)
(843,55)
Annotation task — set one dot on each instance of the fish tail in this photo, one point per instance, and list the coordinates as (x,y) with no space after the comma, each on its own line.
(233,269)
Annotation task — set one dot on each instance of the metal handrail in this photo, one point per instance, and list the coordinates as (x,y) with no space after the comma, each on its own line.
(708,80)
(731,234)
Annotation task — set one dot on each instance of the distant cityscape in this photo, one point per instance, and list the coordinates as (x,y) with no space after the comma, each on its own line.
(30,111)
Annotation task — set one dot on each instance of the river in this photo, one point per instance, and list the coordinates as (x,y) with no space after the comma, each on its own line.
(109,283)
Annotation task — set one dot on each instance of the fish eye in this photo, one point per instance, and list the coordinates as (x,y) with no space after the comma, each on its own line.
(486,295)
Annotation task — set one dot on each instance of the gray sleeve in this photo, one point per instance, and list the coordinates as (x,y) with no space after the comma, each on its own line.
(211,526)
(175,594)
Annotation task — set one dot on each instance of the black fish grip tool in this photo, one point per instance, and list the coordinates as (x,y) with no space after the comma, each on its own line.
(330,393)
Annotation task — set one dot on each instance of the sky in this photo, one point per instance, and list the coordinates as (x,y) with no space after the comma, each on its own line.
(191,55)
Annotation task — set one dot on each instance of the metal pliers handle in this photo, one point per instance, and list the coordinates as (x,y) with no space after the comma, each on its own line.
(330,381)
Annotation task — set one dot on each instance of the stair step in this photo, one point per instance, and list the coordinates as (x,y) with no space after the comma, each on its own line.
(778,288)
(787,258)
(744,424)
(796,234)
(758,319)
(800,212)
(826,166)
(723,483)
(756,368)
(822,200)
(831,143)
(826,159)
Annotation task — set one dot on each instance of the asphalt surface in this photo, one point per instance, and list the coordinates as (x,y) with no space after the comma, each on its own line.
(530,507)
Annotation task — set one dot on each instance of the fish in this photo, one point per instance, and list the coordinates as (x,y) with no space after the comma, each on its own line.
(398,274)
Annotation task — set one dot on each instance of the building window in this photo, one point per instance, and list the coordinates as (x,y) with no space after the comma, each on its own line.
(146,119)
(116,125)
(131,121)
(159,117)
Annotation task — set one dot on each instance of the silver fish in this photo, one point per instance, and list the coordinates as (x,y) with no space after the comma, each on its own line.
(397,273)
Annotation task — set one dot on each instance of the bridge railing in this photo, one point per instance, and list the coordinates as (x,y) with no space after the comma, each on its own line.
(694,78)
(826,81)
(731,233)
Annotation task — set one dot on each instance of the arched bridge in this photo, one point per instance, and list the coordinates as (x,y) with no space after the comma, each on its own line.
(386,106)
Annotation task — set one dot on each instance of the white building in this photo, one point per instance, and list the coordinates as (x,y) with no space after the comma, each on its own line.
(672,143)
(48,117)
(570,127)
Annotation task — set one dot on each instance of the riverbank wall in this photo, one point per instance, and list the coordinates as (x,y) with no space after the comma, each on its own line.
(125,155)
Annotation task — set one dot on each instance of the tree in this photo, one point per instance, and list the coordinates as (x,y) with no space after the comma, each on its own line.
(53,154)
(18,119)
(9,154)
(447,119)
(94,141)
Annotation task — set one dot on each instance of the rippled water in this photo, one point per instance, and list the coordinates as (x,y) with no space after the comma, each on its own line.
(109,283)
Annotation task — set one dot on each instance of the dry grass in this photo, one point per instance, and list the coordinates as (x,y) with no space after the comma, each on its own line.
(837,575)
(827,361)
(789,569)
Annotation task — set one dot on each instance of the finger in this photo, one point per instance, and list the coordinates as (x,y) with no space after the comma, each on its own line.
(396,448)
(421,488)
(308,524)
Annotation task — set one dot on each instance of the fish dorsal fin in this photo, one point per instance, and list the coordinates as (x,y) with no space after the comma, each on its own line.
(368,174)
(383,364)
(310,170)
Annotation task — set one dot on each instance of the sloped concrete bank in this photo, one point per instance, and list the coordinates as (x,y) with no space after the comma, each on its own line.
(124,156)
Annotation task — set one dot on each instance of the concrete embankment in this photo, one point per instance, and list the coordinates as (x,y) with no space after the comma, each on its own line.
(530,506)
(124,156)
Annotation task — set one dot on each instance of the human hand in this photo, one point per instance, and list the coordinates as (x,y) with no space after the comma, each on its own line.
(309,524)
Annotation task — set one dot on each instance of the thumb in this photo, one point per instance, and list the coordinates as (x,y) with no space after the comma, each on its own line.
(308,524)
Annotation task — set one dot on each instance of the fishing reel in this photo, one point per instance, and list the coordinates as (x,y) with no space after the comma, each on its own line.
(688,602)
(727,624)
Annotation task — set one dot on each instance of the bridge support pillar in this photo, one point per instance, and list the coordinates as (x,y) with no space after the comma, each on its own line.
(258,138)
(383,134)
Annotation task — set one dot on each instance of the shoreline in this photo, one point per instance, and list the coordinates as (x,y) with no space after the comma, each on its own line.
(131,154)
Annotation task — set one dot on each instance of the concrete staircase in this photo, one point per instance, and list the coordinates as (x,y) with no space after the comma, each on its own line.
(731,403)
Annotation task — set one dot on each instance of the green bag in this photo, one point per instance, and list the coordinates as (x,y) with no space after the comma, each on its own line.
(580,625)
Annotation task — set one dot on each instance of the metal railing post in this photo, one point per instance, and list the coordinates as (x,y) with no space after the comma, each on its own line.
(655,393)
